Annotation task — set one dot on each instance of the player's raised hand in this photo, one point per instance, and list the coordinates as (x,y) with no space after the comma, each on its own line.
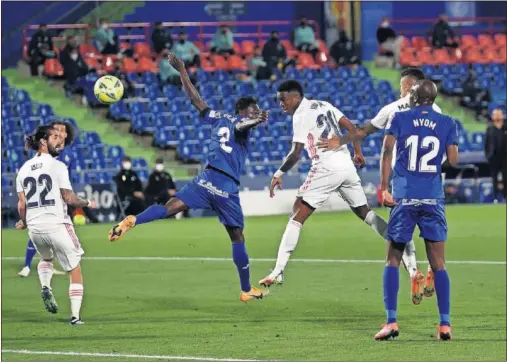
(20,225)
(330,144)
(387,199)
(263,116)
(178,64)
(92,204)
(275,181)
(359,160)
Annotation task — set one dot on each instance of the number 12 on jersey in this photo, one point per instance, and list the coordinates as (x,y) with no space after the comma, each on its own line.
(427,142)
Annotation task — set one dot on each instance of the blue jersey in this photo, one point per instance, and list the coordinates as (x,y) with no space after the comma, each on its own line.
(65,157)
(422,136)
(229,148)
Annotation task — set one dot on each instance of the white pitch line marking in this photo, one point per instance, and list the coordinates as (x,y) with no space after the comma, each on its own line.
(120,355)
(190,258)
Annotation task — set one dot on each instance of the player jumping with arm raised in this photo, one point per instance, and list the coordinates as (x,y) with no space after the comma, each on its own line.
(44,191)
(422,137)
(409,77)
(331,172)
(217,188)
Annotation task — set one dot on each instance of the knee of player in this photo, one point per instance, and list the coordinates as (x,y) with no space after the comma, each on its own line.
(362,212)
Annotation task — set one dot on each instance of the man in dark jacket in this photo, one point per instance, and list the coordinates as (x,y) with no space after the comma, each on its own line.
(160,186)
(40,48)
(274,53)
(388,40)
(344,51)
(129,187)
(74,66)
(496,149)
(161,38)
(443,35)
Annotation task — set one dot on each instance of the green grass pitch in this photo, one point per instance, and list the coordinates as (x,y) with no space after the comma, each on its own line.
(325,311)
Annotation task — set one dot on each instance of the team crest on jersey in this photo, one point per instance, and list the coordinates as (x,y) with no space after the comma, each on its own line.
(215,114)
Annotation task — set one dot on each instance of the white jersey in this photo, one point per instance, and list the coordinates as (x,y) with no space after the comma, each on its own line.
(387,112)
(319,119)
(41,179)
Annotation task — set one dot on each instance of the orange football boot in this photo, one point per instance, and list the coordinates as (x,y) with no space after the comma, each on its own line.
(444,333)
(389,330)
(417,291)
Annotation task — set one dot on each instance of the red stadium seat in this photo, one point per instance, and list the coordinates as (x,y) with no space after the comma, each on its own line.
(205,63)
(145,64)
(219,62)
(236,47)
(306,61)
(92,63)
(405,43)
(442,56)
(142,50)
(323,47)
(199,45)
(419,42)
(502,55)
(491,55)
(473,55)
(129,65)
(124,45)
(88,50)
(287,44)
(235,62)
(485,40)
(500,40)
(468,41)
(247,47)
(407,58)
(53,68)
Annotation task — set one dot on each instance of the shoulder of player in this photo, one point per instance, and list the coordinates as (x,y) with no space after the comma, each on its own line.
(222,115)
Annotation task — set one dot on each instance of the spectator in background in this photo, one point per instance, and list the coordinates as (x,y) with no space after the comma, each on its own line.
(187,51)
(40,48)
(128,85)
(389,41)
(161,38)
(344,51)
(496,151)
(106,39)
(304,38)
(223,42)
(443,35)
(74,66)
(167,73)
(274,53)
(130,189)
(160,186)
(257,66)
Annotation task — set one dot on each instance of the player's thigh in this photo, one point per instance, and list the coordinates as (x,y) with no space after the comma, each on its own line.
(194,194)
(402,222)
(67,247)
(229,211)
(318,187)
(351,190)
(43,245)
(432,223)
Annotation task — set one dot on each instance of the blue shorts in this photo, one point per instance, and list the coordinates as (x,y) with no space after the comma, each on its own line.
(215,191)
(428,215)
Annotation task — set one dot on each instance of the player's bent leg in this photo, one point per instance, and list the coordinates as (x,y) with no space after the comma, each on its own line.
(391,282)
(45,272)
(76,290)
(435,251)
(242,262)
(300,213)
(152,213)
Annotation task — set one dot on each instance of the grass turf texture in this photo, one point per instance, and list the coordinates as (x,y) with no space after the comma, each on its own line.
(325,311)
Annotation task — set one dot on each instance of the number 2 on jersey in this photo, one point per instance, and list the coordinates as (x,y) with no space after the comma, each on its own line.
(46,183)
(412,143)
(225,135)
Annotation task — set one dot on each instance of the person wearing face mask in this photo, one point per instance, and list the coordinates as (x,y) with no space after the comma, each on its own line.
(304,38)
(161,37)
(344,51)
(187,51)
(74,66)
(389,41)
(130,188)
(222,42)
(160,186)
(495,148)
(40,48)
(274,53)
(106,39)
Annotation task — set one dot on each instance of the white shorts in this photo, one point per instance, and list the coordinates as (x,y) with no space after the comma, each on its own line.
(321,183)
(61,242)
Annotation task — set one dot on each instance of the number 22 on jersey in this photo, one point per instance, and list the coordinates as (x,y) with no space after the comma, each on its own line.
(38,191)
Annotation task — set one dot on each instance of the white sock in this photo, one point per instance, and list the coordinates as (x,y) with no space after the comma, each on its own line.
(45,271)
(287,245)
(380,226)
(76,298)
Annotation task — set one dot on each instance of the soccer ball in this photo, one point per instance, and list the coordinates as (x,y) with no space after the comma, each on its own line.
(108,89)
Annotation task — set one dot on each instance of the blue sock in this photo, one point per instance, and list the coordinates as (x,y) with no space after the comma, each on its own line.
(152,213)
(242,262)
(443,290)
(29,254)
(391,286)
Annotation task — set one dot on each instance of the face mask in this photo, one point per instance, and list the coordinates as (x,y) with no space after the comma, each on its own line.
(126,165)
(303,24)
(104,26)
(182,41)
(159,167)
(74,56)
(385,24)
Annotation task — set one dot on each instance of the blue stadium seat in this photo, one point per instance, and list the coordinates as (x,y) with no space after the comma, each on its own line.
(118,110)
(362,72)
(344,73)
(21,96)
(44,111)
(486,192)
(477,141)
(115,152)
(463,143)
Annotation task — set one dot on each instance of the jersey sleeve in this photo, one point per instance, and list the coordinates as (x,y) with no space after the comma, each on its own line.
(299,133)
(436,108)
(393,125)
(381,119)
(452,136)
(210,116)
(19,183)
(62,175)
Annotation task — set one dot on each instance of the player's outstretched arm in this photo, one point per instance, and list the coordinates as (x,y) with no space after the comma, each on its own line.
(248,123)
(288,163)
(21,209)
(188,87)
(385,169)
(70,198)
(452,155)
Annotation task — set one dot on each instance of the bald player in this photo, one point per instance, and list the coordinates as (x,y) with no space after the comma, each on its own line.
(409,77)
(421,137)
